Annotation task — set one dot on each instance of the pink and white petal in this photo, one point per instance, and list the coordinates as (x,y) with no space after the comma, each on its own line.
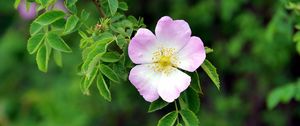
(145,80)
(172,33)
(192,55)
(171,85)
(142,46)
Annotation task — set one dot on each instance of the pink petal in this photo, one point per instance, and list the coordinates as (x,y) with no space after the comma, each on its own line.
(59,5)
(171,85)
(27,14)
(172,33)
(145,80)
(142,46)
(192,55)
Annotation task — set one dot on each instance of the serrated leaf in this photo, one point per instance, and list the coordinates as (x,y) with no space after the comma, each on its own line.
(87,82)
(72,8)
(123,6)
(42,58)
(110,57)
(34,42)
(57,58)
(120,70)
(49,17)
(211,71)
(121,42)
(168,120)
(192,100)
(71,23)
(57,43)
(157,105)
(109,73)
(182,103)
(102,87)
(84,15)
(189,118)
(195,83)
(35,28)
(93,55)
(106,36)
(113,6)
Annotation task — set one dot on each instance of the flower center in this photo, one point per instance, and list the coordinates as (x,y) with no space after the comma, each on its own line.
(164,59)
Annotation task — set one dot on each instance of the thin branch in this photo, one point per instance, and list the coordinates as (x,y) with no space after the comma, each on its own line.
(99,8)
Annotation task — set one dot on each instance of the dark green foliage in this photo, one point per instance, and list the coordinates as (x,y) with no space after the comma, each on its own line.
(157,105)
(168,120)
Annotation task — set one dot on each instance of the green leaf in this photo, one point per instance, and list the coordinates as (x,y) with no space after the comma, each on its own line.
(178,124)
(192,100)
(42,58)
(59,24)
(109,73)
(49,17)
(282,94)
(296,37)
(195,84)
(34,43)
(44,2)
(35,28)
(110,57)
(169,119)
(93,55)
(16,4)
(208,50)
(120,70)
(72,8)
(70,2)
(57,58)
(84,15)
(57,43)
(87,82)
(71,23)
(182,103)
(102,87)
(297,91)
(121,42)
(211,71)
(113,6)
(189,118)
(157,105)
(289,93)
(123,6)
(274,98)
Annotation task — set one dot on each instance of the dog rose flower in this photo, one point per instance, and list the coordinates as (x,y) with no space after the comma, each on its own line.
(162,56)
(27,13)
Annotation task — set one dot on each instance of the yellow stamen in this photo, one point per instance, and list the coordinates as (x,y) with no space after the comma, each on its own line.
(164,60)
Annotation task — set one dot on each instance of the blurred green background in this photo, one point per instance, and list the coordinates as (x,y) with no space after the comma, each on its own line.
(253,52)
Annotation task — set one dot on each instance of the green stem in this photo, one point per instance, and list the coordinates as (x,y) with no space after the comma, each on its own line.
(176,110)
